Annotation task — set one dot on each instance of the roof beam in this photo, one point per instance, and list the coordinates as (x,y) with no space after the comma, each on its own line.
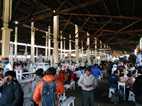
(101,28)
(114,31)
(78,6)
(101,16)
(133,23)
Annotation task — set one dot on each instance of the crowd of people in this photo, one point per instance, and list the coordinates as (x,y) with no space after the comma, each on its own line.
(48,85)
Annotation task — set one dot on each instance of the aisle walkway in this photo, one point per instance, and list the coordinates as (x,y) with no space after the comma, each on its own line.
(100,96)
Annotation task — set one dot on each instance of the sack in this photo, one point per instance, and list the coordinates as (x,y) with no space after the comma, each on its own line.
(48,94)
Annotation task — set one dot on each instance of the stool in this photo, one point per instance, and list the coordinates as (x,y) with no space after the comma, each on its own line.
(68,101)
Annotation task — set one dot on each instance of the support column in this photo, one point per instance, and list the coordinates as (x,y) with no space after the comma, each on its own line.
(7,11)
(95,50)
(61,46)
(55,39)
(82,58)
(37,52)
(46,44)
(82,48)
(76,44)
(88,48)
(70,47)
(101,44)
(95,43)
(26,51)
(49,43)
(104,46)
(64,46)
(140,43)
(16,38)
(32,42)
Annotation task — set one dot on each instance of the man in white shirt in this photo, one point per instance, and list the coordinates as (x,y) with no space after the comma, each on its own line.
(88,83)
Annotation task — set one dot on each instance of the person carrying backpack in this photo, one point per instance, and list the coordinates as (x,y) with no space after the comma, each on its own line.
(47,88)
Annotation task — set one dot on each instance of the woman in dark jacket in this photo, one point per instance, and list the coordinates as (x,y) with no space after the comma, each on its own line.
(12,93)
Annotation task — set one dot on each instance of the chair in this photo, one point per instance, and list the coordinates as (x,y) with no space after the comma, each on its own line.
(111,90)
(68,101)
(131,96)
(19,74)
(70,86)
(122,86)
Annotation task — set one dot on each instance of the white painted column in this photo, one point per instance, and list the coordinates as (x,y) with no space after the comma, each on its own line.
(26,50)
(95,43)
(7,11)
(82,58)
(101,44)
(16,38)
(36,52)
(64,46)
(55,39)
(70,47)
(104,46)
(88,48)
(95,49)
(46,44)
(82,48)
(61,46)
(76,44)
(49,43)
(32,42)
(140,43)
